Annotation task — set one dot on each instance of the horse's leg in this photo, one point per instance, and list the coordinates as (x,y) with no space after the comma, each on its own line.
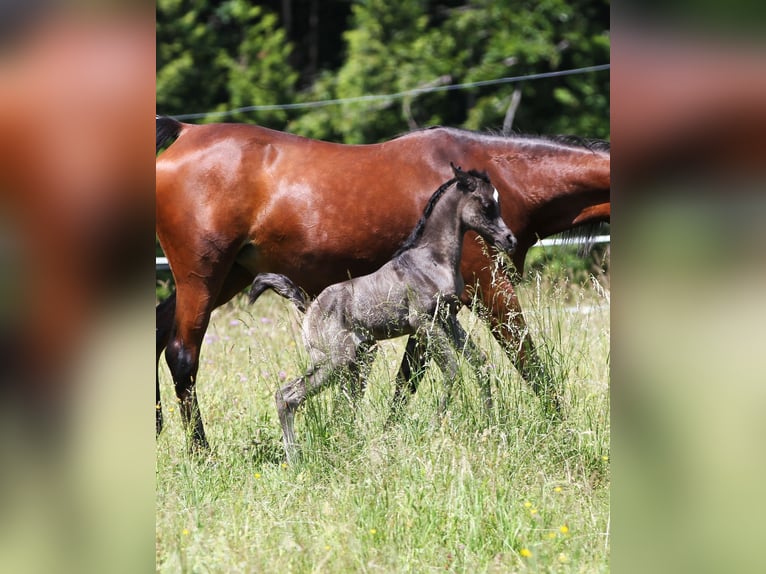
(510,329)
(165,313)
(199,286)
(237,279)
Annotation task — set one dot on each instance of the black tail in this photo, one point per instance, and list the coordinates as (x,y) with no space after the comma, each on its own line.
(167,129)
(282,285)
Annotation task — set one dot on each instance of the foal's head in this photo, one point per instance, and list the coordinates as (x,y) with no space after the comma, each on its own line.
(480,209)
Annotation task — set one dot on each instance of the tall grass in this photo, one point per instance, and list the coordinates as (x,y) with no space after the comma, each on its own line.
(520,491)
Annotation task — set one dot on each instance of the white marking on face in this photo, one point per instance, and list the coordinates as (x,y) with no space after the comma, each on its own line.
(495,195)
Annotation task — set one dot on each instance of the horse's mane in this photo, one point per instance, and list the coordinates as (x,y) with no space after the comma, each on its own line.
(577,141)
(418,230)
(592,144)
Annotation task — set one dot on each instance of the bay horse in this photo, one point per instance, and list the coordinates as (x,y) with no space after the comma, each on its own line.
(235,200)
(416,293)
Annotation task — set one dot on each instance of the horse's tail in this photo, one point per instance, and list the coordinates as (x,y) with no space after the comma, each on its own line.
(167,129)
(282,285)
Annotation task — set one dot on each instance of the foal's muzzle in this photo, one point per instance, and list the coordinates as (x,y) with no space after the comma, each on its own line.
(507,243)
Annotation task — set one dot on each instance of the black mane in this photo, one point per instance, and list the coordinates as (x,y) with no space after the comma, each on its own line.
(418,230)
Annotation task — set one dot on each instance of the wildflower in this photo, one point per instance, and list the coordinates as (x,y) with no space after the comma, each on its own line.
(185,532)
(257,475)
(563,558)
(327,547)
(284,465)
(564,529)
(605,458)
(551,535)
(527,504)
(525,553)
(557,489)
(373,531)
(170,409)
(533,511)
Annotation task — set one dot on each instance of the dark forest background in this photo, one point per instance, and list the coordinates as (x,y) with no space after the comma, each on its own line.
(218,56)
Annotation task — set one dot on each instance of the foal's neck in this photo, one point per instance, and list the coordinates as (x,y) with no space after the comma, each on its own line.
(443,232)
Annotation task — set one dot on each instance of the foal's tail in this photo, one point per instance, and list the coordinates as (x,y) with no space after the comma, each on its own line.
(282,285)
(167,129)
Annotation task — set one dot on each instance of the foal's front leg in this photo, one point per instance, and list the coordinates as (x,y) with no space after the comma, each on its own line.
(354,386)
(440,347)
(409,375)
(476,357)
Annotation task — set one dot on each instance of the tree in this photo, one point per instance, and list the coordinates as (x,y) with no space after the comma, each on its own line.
(414,43)
(213,57)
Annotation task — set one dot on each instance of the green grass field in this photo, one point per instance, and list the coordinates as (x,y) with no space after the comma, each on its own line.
(519,492)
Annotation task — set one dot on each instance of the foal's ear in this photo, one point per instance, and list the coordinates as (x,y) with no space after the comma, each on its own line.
(464,181)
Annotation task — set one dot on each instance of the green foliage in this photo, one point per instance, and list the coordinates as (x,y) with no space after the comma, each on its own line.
(215,56)
(567,263)
(218,56)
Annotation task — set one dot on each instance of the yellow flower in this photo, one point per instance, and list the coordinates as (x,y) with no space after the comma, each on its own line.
(563,558)
(551,535)
(284,465)
(257,475)
(373,531)
(557,489)
(605,457)
(170,409)
(564,529)
(525,553)
(327,547)
(527,504)
(185,532)
(533,511)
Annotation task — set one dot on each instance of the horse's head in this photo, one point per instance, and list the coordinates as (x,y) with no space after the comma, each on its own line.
(480,210)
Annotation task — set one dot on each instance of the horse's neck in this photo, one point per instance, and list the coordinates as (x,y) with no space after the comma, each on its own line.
(578,184)
(561,187)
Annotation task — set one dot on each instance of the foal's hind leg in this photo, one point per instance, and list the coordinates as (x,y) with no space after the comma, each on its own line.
(290,397)
(329,358)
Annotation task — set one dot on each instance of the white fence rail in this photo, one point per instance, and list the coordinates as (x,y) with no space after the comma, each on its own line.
(161,263)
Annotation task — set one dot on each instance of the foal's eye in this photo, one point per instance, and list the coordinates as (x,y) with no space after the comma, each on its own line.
(491,208)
